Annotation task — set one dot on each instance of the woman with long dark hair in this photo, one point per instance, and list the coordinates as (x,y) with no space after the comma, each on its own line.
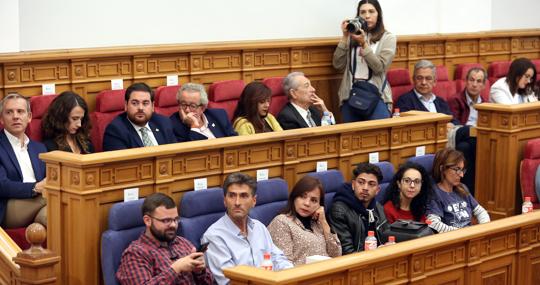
(452,206)
(251,115)
(365,55)
(301,230)
(408,194)
(518,85)
(66,125)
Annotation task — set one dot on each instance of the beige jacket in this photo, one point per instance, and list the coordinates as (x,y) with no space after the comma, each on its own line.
(379,61)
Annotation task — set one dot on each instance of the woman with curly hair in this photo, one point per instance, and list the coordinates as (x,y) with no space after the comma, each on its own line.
(66,125)
(408,194)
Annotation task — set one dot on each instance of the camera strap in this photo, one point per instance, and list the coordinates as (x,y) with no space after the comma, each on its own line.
(353,63)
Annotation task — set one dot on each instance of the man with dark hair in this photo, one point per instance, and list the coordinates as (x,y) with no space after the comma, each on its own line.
(138,126)
(305,109)
(159,256)
(355,211)
(236,239)
(22,173)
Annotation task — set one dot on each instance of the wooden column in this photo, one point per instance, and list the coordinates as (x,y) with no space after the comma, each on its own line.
(502,132)
(36,263)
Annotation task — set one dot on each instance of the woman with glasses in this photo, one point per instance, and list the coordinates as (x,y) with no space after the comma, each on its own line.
(518,85)
(408,194)
(365,53)
(251,115)
(301,230)
(66,125)
(452,206)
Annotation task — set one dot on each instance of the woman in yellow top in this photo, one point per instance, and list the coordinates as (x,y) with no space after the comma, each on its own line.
(251,115)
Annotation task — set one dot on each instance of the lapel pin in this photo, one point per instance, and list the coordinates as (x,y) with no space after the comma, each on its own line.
(213,125)
(157,130)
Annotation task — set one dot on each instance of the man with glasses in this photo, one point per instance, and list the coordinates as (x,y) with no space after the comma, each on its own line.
(138,126)
(355,211)
(421,98)
(305,109)
(194,121)
(159,256)
(236,239)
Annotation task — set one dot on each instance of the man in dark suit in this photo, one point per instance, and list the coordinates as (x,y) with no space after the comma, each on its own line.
(194,121)
(138,126)
(305,109)
(22,173)
(421,98)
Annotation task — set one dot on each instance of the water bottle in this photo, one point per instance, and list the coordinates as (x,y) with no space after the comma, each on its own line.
(371,241)
(396,113)
(391,240)
(267,262)
(527,206)
(327,119)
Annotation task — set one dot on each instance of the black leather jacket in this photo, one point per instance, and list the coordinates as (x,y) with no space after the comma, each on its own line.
(349,226)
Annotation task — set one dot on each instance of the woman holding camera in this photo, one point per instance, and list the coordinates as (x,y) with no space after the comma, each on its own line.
(364,54)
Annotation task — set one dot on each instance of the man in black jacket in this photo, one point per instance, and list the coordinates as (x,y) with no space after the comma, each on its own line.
(354,210)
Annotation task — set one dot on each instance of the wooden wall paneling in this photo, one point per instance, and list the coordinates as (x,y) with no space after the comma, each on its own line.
(2,87)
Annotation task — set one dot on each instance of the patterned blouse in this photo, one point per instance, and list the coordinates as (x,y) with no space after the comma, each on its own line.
(297,243)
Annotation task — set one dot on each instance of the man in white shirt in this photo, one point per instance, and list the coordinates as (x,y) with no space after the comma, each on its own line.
(305,109)
(22,173)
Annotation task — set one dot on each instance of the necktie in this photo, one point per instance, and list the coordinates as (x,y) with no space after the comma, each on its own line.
(145,138)
(311,123)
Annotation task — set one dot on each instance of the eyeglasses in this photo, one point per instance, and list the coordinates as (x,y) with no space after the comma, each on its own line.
(409,181)
(190,106)
(458,170)
(422,78)
(166,221)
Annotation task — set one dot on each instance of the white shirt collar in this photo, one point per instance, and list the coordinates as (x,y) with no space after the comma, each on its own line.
(15,142)
(469,100)
(423,98)
(137,127)
(303,112)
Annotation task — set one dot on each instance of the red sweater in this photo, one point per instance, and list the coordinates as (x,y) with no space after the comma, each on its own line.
(393,214)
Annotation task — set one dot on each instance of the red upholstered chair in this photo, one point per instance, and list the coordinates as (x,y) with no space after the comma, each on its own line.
(225,95)
(165,100)
(536,63)
(444,87)
(109,103)
(498,69)
(400,82)
(19,237)
(460,78)
(279,99)
(39,106)
(527,170)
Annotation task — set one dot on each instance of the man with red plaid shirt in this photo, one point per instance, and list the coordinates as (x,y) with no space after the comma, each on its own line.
(159,256)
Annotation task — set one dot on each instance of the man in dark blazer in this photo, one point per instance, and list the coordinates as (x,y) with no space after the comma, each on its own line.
(22,173)
(421,98)
(194,121)
(138,126)
(305,109)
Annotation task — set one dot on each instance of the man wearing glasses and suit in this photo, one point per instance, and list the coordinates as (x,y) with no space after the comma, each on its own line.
(194,121)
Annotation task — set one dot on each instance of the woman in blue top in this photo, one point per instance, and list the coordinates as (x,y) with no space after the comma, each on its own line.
(452,206)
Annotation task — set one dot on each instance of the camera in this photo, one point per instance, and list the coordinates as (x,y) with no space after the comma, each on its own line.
(355,25)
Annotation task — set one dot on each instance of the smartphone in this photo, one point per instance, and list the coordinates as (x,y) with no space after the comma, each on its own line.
(203,247)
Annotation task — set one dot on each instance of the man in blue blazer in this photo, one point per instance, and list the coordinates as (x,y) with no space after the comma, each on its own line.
(22,173)
(421,98)
(194,121)
(138,126)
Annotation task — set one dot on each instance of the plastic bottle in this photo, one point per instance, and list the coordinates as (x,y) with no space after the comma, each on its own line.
(527,206)
(327,119)
(371,241)
(267,262)
(391,240)
(396,113)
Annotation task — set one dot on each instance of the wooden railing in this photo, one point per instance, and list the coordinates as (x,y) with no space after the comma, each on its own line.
(82,188)
(501,133)
(505,251)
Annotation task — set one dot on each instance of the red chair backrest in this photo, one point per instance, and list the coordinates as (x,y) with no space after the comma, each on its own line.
(279,99)
(529,164)
(39,106)
(460,78)
(109,103)
(165,100)
(444,88)
(498,69)
(400,82)
(225,95)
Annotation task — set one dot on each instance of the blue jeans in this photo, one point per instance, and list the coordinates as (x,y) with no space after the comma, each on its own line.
(348,114)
